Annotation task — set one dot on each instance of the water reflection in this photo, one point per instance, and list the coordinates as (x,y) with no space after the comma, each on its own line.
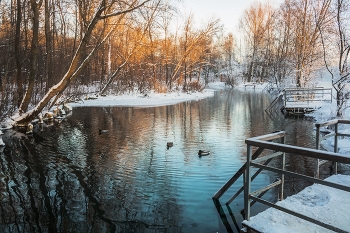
(70,178)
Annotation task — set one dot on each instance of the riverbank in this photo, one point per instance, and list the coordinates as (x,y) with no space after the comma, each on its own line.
(326,112)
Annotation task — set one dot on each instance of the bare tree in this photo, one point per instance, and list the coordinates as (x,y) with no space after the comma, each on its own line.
(255,22)
(193,39)
(341,35)
(307,17)
(104,10)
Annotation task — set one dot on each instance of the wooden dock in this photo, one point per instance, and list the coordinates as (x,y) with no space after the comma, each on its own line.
(299,101)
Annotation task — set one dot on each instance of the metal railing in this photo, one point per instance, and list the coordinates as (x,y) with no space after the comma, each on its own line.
(262,144)
(334,134)
(304,100)
(307,94)
(280,150)
(241,171)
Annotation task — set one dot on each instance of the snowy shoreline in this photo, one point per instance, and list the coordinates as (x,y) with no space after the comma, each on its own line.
(148,100)
(158,99)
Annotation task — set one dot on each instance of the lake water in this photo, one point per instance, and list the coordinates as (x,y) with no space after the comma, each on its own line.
(71,178)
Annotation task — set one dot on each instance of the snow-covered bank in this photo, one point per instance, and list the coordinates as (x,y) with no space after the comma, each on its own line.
(149,100)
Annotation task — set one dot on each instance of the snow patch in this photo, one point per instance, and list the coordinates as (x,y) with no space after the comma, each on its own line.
(149,100)
(326,204)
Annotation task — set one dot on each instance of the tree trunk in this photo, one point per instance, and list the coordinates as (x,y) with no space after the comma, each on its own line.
(49,50)
(18,54)
(33,57)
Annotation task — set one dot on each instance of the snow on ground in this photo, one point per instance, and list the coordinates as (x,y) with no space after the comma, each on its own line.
(326,204)
(216,85)
(149,100)
(160,99)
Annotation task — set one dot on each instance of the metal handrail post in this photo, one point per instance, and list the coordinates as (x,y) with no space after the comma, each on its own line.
(335,164)
(283,165)
(247,184)
(317,175)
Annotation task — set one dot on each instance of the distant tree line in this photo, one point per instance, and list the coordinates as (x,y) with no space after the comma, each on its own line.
(50,49)
(290,43)
(58,49)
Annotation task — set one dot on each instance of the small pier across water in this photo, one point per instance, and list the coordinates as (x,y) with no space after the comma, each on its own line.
(300,101)
(305,211)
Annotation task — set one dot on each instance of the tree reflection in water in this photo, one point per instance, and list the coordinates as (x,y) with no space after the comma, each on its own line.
(70,178)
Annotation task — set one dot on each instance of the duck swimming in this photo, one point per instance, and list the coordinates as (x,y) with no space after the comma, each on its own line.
(169,144)
(203,152)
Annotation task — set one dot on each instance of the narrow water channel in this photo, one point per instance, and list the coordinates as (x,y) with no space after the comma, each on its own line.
(71,178)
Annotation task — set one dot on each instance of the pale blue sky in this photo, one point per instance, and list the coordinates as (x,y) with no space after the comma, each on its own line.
(229,11)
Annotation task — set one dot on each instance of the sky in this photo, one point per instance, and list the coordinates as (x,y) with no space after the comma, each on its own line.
(229,11)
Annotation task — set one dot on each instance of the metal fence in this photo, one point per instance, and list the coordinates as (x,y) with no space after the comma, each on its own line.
(334,125)
(279,150)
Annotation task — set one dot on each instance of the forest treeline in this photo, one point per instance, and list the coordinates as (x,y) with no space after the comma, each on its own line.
(58,49)
(289,44)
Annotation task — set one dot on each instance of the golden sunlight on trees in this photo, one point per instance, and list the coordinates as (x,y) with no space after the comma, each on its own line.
(95,28)
(55,50)
(256,23)
(58,47)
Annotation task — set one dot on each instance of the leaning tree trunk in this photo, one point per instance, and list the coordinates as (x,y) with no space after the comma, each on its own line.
(75,68)
(33,57)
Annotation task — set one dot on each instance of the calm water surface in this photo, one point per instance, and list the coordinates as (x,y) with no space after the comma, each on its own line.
(70,178)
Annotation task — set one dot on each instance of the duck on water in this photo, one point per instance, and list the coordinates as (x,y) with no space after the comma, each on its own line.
(169,144)
(203,153)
